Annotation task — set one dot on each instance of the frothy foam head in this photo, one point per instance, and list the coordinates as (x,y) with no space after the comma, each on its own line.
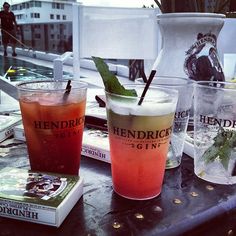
(154,104)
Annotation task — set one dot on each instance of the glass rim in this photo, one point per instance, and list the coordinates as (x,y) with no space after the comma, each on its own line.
(171,92)
(206,84)
(22,85)
(189,82)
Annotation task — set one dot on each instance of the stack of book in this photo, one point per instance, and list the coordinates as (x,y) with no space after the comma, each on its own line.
(43,198)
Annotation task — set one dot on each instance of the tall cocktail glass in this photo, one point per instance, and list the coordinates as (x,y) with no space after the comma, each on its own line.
(215,131)
(185,88)
(53,120)
(139,139)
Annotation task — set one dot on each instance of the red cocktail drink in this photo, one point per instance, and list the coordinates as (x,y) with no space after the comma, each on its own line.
(53,123)
(139,139)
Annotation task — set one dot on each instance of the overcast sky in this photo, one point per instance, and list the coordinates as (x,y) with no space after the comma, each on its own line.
(119,3)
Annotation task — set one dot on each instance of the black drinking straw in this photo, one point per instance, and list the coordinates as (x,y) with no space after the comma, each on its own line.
(153,72)
(144,77)
(68,88)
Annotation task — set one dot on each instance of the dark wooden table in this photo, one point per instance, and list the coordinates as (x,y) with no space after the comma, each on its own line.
(186,206)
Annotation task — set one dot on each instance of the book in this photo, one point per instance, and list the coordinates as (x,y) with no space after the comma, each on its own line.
(19,133)
(43,198)
(189,144)
(95,137)
(96,145)
(7,124)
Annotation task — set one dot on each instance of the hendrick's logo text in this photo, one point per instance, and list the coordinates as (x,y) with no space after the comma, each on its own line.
(139,134)
(216,121)
(63,124)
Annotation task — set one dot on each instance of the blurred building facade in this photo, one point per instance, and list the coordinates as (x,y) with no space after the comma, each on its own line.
(45,25)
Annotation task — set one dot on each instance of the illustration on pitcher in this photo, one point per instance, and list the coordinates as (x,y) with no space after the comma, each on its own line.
(202,62)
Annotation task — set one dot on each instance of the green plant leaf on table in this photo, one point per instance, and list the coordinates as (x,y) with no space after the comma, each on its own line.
(224,143)
(110,81)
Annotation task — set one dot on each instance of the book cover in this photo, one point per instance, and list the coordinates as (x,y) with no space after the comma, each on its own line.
(7,124)
(96,145)
(43,198)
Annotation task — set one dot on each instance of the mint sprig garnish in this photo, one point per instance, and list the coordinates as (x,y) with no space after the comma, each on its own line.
(110,81)
(224,143)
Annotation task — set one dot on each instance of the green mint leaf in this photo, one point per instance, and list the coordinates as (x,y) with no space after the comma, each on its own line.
(210,154)
(110,81)
(232,141)
(224,143)
(224,156)
(220,138)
